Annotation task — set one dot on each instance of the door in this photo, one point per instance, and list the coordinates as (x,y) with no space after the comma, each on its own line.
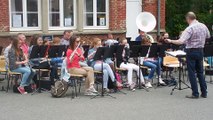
(133,8)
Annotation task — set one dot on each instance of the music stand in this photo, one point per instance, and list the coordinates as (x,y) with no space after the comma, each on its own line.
(112,52)
(180,68)
(209,41)
(136,53)
(128,39)
(86,50)
(175,47)
(142,51)
(162,49)
(153,53)
(38,52)
(132,44)
(100,55)
(57,51)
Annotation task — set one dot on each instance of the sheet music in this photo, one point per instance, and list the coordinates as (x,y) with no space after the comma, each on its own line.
(176,53)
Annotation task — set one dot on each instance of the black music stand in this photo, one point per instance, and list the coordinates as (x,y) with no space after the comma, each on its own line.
(112,52)
(180,69)
(162,48)
(128,39)
(142,51)
(38,52)
(209,41)
(154,53)
(57,51)
(175,47)
(86,50)
(133,43)
(136,53)
(101,55)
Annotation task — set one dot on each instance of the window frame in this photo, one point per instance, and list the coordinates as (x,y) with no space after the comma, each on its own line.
(95,13)
(24,9)
(61,15)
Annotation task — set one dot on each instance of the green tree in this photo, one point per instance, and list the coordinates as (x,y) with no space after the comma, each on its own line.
(176,10)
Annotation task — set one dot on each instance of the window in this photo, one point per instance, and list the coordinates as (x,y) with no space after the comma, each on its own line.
(96,14)
(24,14)
(62,14)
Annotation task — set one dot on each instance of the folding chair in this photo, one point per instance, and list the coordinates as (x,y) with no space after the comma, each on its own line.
(72,79)
(3,70)
(170,62)
(98,78)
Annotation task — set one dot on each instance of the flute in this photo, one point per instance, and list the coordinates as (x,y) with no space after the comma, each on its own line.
(73,53)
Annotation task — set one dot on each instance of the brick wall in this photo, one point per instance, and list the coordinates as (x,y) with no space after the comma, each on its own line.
(4,15)
(117,15)
(151,6)
(117,18)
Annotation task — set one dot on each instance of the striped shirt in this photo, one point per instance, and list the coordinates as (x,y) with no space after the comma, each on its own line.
(194,36)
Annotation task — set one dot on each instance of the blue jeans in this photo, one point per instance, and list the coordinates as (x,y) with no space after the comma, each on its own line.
(109,61)
(195,67)
(53,73)
(107,71)
(27,75)
(155,66)
(160,59)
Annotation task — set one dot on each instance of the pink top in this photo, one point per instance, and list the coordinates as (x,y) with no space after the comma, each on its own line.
(76,59)
(25,48)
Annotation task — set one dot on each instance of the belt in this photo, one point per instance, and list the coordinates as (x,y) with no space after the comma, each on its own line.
(194,49)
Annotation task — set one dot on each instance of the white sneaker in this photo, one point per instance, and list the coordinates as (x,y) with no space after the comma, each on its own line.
(142,81)
(132,87)
(161,81)
(106,90)
(148,85)
(88,93)
(92,89)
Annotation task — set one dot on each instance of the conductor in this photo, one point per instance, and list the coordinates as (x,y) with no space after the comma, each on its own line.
(194,37)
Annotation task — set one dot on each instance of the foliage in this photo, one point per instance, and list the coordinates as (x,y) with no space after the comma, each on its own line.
(176,10)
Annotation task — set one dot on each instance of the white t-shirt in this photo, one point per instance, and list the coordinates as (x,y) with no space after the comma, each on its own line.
(65,42)
(110,42)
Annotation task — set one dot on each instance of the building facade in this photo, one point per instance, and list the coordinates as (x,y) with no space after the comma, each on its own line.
(88,18)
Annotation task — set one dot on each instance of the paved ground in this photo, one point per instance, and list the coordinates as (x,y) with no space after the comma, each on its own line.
(157,104)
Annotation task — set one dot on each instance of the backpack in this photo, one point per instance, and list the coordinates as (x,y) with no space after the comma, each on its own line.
(111,85)
(118,77)
(59,89)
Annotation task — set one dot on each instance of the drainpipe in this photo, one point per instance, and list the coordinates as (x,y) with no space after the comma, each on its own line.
(158,19)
